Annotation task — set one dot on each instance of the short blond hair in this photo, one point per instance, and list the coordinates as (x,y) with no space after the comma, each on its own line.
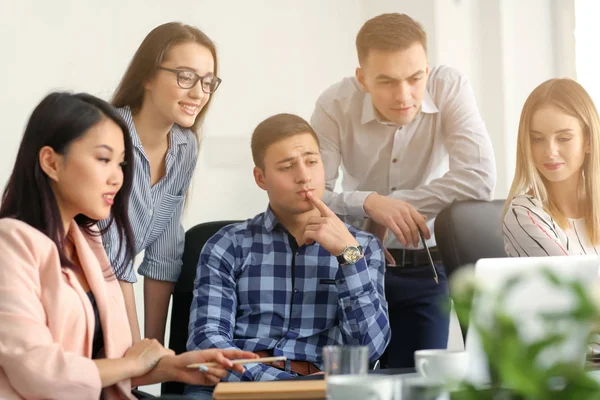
(572,99)
(389,32)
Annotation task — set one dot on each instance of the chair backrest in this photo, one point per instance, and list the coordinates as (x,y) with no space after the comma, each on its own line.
(195,238)
(467,231)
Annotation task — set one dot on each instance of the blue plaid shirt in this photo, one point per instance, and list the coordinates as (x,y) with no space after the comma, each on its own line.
(256,289)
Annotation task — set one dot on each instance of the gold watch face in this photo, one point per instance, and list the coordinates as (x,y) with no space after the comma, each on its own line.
(352,254)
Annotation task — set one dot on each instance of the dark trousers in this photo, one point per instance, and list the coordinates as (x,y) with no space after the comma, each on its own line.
(199,392)
(419,313)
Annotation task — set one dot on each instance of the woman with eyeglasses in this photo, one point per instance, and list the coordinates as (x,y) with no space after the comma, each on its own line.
(64,330)
(552,208)
(163,97)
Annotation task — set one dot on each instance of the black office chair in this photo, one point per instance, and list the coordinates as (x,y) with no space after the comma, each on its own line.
(467,231)
(195,238)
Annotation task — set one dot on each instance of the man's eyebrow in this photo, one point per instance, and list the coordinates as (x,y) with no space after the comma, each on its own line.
(306,153)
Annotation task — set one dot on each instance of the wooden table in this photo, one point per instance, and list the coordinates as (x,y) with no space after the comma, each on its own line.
(272,390)
(305,388)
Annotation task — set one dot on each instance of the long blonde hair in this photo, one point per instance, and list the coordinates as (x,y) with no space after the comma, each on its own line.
(150,55)
(572,99)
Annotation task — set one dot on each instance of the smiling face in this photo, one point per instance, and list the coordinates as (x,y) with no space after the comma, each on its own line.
(558,144)
(396,81)
(87,177)
(167,98)
(292,166)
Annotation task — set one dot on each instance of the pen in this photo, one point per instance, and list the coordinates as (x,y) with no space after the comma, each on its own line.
(204,366)
(435,275)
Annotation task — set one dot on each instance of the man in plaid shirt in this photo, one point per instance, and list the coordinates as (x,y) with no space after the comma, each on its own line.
(294,278)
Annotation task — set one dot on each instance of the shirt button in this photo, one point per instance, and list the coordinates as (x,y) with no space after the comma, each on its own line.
(395,160)
(150,212)
(296,290)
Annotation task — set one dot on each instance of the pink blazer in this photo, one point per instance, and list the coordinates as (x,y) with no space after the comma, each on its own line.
(47,320)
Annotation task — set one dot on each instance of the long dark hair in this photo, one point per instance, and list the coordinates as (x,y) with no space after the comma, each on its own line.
(57,121)
(150,55)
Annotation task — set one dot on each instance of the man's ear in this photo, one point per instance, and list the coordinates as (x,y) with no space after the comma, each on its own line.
(360,77)
(259,178)
(50,162)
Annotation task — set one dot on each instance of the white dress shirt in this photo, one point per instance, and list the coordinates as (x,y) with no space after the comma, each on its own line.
(529,231)
(443,155)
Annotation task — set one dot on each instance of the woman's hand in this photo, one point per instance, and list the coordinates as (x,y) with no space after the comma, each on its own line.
(174,368)
(146,354)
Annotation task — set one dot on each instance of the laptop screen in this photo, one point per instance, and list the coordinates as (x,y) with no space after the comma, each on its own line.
(526,302)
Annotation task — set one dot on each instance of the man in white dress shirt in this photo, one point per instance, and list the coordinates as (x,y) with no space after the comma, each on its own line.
(410,141)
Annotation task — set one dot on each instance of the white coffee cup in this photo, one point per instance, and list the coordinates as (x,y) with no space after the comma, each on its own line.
(443,365)
(364,387)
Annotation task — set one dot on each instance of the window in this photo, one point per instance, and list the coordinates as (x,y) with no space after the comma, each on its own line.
(587,53)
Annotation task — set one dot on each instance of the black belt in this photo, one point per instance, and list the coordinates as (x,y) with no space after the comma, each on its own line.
(415,258)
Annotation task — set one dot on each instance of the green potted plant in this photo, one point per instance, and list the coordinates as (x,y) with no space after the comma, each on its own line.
(514,364)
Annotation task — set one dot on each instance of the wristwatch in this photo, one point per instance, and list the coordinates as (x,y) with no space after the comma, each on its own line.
(350,255)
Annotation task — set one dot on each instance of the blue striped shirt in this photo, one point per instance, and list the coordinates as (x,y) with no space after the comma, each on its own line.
(155,211)
(256,289)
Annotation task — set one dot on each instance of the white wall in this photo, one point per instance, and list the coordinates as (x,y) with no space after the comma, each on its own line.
(275,56)
(588,56)
(507,48)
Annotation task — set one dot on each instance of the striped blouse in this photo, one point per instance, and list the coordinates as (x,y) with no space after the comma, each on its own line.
(155,211)
(529,231)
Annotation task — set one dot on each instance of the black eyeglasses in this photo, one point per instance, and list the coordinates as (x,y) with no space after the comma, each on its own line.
(188,79)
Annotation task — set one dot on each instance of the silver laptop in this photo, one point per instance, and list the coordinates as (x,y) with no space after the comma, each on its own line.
(526,302)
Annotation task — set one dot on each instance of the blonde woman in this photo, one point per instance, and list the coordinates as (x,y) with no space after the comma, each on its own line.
(550,210)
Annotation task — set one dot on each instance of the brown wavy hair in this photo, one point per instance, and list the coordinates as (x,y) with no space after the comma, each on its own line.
(150,55)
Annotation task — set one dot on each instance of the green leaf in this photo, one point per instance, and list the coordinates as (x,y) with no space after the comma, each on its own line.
(534,349)
(514,363)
